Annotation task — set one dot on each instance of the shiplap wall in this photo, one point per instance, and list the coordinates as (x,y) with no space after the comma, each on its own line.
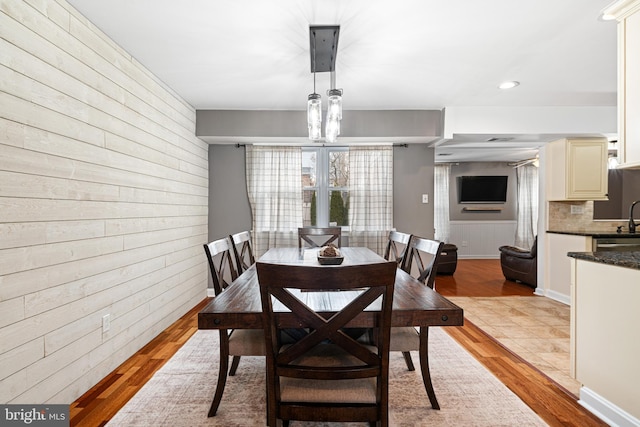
(103,204)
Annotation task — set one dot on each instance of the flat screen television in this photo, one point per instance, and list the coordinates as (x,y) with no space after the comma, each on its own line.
(482,189)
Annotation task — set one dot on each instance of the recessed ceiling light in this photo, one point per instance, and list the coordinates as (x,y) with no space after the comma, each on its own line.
(508,85)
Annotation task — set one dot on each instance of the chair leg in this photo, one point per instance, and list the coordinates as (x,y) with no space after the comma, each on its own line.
(272,421)
(424,366)
(222,372)
(408,360)
(234,365)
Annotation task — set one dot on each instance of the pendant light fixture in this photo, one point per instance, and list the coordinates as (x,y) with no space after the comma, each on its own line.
(324,47)
(314,113)
(334,111)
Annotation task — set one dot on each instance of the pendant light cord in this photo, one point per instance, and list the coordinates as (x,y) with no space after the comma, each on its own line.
(314,63)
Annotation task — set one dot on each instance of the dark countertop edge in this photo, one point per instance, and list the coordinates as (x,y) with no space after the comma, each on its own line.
(596,234)
(619,259)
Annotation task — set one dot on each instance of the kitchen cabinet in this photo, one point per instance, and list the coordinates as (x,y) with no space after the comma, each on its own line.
(557,264)
(605,347)
(578,169)
(627,13)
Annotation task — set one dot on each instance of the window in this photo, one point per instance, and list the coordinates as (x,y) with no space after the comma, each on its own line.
(325,184)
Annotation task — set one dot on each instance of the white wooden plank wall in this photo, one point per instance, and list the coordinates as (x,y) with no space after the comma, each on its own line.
(103,204)
(481,239)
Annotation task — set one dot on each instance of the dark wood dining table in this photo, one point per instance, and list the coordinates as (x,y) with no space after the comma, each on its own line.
(414,304)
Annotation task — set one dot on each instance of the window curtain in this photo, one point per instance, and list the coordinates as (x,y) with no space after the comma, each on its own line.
(370,196)
(274,186)
(527,217)
(441,202)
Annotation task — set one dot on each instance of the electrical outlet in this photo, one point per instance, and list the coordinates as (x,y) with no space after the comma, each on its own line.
(425,198)
(106,323)
(577,210)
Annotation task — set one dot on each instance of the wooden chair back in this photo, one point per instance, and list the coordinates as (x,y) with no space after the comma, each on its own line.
(220,263)
(244,254)
(238,342)
(425,254)
(397,246)
(326,353)
(314,237)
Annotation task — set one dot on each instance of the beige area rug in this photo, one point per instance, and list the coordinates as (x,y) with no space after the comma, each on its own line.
(180,393)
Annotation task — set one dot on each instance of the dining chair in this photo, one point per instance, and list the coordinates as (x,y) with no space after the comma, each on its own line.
(244,254)
(220,264)
(421,259)
(233,343)
(327,375)
(397,248)
(397,245)
(424,254)
(311,236)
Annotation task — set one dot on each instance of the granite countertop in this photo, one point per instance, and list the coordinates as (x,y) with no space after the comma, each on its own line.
(629,259)
(598,234)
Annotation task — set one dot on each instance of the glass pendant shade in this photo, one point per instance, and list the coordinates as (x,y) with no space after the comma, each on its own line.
(334,107)
(332,129)
(314,116)
(334,115)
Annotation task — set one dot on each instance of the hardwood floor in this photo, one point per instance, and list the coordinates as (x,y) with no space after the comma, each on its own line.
(479,278)
(102,402)
(472,278)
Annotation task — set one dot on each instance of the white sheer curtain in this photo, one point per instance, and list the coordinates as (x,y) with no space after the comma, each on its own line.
(370,196)
(274,186)
(527,218)
(441,202)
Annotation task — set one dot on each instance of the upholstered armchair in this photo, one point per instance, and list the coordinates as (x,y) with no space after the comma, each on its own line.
(520,264)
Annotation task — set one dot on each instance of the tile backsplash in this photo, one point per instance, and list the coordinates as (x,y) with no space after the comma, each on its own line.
(561,218)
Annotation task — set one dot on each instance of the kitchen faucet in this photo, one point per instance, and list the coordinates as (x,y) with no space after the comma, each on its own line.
(632,224)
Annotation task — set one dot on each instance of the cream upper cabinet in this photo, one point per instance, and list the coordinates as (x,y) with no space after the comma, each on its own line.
(578,169)
(627,12)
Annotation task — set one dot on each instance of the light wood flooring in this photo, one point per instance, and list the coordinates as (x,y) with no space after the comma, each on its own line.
(534,327)
(555,403)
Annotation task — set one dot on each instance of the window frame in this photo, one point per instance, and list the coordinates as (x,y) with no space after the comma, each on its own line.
(322,187)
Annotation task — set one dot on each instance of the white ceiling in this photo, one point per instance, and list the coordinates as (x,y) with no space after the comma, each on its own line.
(400,54)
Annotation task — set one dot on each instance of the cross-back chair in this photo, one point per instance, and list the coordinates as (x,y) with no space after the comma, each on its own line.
(242,250)
(310,236)
(236,342)
(396,250)
(423,254)
(327,375)
(221,265)
(397,246)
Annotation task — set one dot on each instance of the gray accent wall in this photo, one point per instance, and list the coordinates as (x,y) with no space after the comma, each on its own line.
(508,209)
(413,177)
(224,126)
(229,210)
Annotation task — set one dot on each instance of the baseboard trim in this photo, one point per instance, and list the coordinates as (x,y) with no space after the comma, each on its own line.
(565,299)
(605,410)
(211,292)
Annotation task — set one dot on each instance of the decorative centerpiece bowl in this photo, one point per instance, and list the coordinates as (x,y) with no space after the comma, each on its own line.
(330,255)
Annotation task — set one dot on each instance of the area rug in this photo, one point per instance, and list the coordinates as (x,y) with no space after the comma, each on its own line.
(180,393)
